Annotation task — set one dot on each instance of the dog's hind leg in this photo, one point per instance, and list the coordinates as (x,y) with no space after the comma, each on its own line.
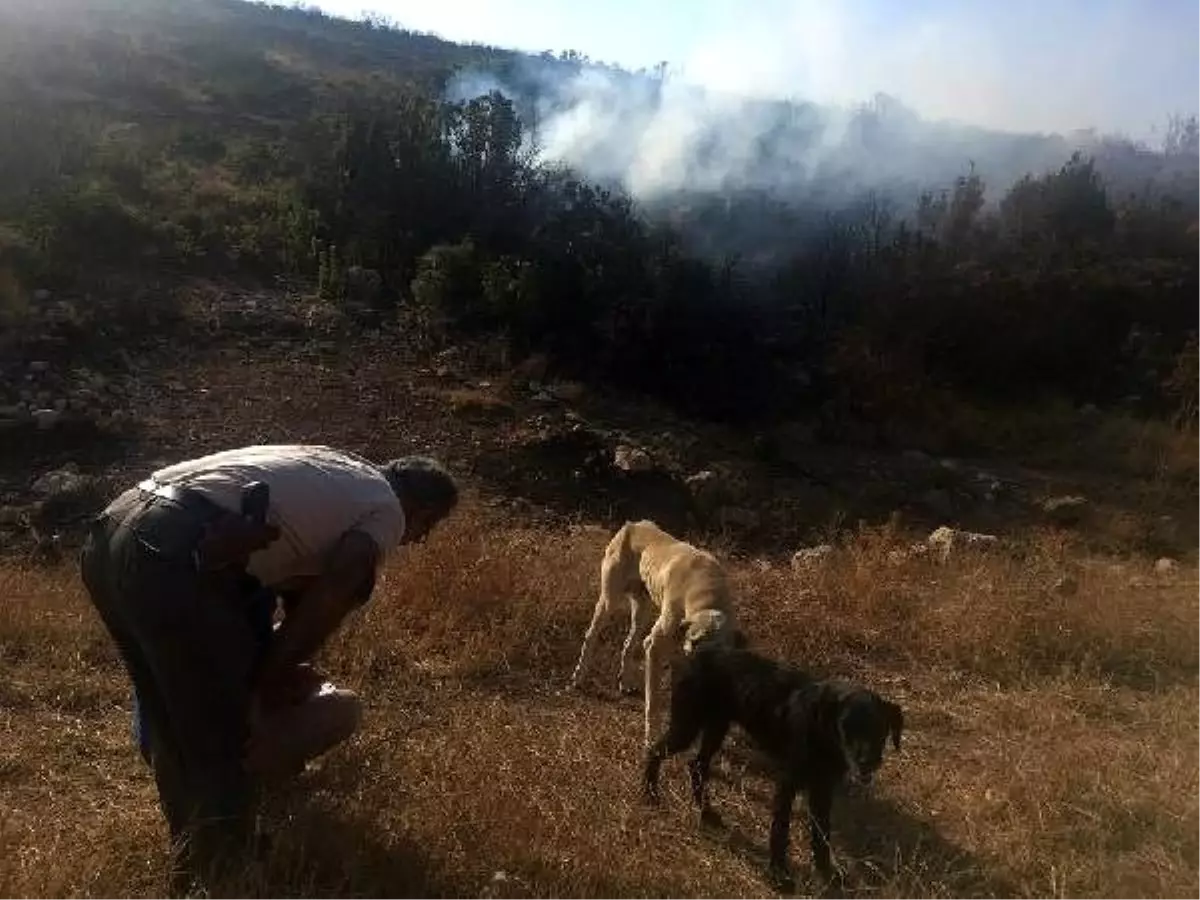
(641,612)
(588,649)
(604,605)
(698,768)
(778,871)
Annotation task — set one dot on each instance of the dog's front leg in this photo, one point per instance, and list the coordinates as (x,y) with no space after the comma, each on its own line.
(778,871)
(710,742)
(656,648)
(820,805)
(640,614)
(653,760)
(678,737)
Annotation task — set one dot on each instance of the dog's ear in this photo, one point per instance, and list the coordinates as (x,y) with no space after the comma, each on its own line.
(894,717)
(826,710)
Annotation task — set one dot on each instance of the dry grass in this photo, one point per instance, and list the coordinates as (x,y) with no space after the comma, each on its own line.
(1051,750)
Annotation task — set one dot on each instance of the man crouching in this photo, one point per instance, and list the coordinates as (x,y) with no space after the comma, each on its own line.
(184,570)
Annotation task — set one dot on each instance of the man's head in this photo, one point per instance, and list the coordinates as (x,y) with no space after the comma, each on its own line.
(426,492)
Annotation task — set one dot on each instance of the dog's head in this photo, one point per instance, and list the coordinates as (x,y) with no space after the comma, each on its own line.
(710,627)
(863,722)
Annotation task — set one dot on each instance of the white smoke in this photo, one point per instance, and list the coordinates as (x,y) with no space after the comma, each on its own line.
(660,136)
(785,97)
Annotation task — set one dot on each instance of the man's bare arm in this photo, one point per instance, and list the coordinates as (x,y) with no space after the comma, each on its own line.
(321,608)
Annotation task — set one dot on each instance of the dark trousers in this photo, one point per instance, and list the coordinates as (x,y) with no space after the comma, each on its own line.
(189,648)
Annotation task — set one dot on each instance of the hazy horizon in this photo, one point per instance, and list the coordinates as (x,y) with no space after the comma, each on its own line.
(1116,66)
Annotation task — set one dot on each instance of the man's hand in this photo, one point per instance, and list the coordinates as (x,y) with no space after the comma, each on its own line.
(291,688)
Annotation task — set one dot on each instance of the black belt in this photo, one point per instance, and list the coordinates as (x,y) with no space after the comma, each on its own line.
(190,502)
(227,538)
(181,496)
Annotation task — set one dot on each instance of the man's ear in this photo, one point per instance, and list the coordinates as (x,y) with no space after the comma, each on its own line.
(895,721)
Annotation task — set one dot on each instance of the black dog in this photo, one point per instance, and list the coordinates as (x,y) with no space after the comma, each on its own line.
(816,732)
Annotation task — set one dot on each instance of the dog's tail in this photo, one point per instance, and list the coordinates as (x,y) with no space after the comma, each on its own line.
(633,537)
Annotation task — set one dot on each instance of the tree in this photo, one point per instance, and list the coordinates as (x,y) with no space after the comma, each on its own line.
(1068,207)
(1183,136)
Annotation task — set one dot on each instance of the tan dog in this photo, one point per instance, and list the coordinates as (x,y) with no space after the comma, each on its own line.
(658,573)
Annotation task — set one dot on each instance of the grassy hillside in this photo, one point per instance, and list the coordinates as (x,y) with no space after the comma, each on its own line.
(1049,687)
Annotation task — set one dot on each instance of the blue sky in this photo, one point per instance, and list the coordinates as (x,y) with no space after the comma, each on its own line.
(1053,65)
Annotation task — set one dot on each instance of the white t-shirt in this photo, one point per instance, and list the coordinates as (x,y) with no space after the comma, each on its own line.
(317,495)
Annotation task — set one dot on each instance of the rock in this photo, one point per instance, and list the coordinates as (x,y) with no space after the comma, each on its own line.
(46,418)
(1089,411)
(60,404)
(39,365)
(946,539)
(1165,565)
(806,559)
(62,482)
(703,482)
(11,516)
(578,447)
(919,457)
(1065,511)
(542,397)
(41,295)
(632,459)
(710,490)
